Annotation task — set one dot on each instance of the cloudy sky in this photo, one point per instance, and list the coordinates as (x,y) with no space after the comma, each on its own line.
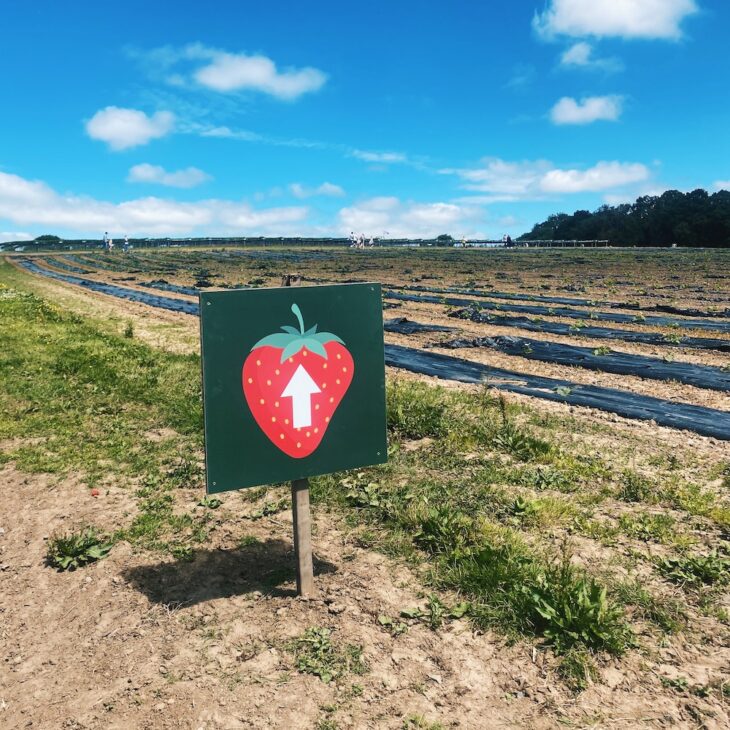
(472,118)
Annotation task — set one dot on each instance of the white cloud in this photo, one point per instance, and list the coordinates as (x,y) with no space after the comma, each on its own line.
(239,72)
(302,191)
(379,157)
(500,180)
(580,55)
(187,178)
(125,128)
(602,176)
(721,184)
(409,219)
(34,203)
(587,110)
(6,236)
(615,18)
(226,72)
(503,180)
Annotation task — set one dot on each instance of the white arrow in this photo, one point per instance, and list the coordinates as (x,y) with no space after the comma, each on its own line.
(300,389)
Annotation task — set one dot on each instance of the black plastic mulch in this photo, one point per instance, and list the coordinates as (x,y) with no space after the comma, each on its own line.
(705,421)
(405,326)
(598,333)
(620,363)
(564,312)
(132,295)
(549,299)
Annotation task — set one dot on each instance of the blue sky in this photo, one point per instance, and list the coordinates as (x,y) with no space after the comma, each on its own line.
(411,118)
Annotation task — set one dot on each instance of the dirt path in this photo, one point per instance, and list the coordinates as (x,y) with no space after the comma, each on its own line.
(135,641)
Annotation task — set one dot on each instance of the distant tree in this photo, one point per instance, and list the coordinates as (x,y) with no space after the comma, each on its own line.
(688,219)
(444,238)
(47,238)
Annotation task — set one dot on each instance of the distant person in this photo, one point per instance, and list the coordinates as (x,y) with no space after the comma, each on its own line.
(509,240)
(125,247)
(106,240)
(110,242)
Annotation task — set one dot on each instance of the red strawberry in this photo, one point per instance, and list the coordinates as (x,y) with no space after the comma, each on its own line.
(293,382)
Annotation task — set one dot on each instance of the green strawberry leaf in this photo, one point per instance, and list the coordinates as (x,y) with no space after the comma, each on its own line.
(277,340)
(325,337)
(291,330)
(315,346)
(311,331)
(292,349)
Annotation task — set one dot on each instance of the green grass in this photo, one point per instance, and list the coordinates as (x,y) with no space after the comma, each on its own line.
(479,494)
(317,653)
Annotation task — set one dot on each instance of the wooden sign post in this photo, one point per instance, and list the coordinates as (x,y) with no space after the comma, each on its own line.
(293,387)
(301,514)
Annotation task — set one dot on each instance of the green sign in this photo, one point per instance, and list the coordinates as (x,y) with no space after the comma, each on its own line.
(293,383)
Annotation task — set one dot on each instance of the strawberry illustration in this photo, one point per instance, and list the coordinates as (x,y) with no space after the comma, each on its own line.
(293,382)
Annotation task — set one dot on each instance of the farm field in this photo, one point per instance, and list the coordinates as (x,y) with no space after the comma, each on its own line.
(539,550)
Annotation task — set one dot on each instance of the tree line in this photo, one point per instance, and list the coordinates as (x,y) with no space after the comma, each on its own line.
(686,219)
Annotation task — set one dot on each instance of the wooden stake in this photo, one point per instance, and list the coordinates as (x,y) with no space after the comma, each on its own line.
(301,516)
(302,536)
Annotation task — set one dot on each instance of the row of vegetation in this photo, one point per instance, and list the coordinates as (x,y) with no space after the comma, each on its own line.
(687,219)
(478,494)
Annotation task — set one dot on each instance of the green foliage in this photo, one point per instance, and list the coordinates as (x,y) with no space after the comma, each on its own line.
(696,570)
(415,410)
(576,611)
(316,654)
(636,488)
(129,330)
(73,550)
(577,668)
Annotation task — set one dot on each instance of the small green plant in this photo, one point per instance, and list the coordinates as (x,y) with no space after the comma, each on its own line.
(396,628)
(129,330)
(577,668)
(248,541)
(210,502)
(576,611)
(317,654)
(270,508)
(696,570)
(636,488)
(601,351)
(414,410)
(73,550)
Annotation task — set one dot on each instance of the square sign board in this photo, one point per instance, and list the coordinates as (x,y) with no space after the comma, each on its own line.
(293,383)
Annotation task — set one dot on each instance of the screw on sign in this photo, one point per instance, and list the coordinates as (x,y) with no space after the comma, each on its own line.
(293,382)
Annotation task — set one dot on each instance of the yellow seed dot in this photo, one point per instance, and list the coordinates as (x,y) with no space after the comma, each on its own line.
(304,353)
(286,421)
(316,407)
(324,367)
(291,359)
(316,430)
(339,357)
(250,380)
(344,370)
(273,419)
(281,435)
(268,382)
(258,362)
(261,401)
(332,400)
(276,372)
(276,404)
(337,381)
(324,385)
(308,434)
(327,419)
(299,446)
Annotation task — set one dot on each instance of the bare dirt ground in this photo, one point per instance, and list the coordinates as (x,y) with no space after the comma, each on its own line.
(142,641)
(138,642)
